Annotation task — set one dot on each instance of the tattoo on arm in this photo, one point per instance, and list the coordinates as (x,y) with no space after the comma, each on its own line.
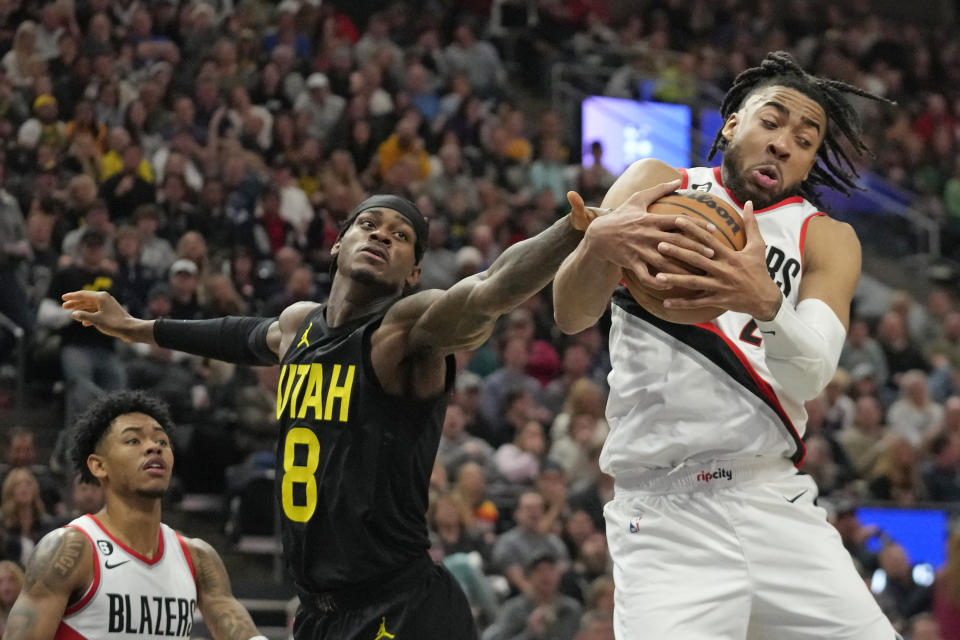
(50,579)
(225,617)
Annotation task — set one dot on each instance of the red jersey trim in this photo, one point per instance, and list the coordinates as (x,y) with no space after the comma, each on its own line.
(791,200)
(762,385)
(139,556)
(684,178)
(66,632)
(803,232)
(78,606)
(186,554)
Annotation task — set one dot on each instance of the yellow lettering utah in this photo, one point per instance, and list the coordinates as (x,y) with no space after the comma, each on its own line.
(313,393)
(339,391)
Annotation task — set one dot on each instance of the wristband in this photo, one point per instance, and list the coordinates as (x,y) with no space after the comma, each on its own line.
(239,340)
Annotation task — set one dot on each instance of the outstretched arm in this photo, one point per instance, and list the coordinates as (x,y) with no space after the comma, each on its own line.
(241,340)
(463,316)
(62,564)
(224,616)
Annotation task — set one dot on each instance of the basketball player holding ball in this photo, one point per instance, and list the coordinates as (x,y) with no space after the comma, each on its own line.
(712,531)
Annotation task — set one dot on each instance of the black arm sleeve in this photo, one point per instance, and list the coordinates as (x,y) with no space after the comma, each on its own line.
(232,339)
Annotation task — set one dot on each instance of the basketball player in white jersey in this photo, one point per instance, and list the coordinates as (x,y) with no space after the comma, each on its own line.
(712,532)
(121,573)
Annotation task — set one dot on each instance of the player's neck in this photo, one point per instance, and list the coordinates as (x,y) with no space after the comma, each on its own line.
(134,521)
(350,300)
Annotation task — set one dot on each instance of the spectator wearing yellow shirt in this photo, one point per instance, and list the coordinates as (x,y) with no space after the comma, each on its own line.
(112,161)
(519,147)
(404,142)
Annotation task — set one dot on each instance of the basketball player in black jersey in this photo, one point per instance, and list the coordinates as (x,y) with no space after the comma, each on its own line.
(360,403)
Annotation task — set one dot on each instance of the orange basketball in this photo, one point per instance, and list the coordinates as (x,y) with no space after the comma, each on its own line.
(702,206)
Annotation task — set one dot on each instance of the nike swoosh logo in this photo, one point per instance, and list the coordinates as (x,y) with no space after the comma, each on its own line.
(114,566)
(794,498)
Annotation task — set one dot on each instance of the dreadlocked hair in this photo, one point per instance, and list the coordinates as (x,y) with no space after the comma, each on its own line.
(834,169)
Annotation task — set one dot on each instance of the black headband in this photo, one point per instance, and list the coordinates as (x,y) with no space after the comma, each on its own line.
(402,206)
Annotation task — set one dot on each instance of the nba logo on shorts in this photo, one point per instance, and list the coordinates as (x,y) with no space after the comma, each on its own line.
(635,524)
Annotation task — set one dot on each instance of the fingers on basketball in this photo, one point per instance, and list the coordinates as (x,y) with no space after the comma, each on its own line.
(730,230)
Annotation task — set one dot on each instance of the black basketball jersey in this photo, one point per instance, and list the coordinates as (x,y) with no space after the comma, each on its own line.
(353,462)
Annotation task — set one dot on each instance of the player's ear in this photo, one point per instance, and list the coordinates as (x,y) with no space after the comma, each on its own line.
(335,249)
(97,466)
(414,277)
(730,126)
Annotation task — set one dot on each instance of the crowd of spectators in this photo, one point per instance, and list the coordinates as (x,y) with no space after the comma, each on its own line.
(195,159)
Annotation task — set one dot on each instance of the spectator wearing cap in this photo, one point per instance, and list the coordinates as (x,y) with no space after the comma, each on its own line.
(88,358)
(541,611)
(861,349)
(184,285)
(44,127)
(323,109)
(518,547)
(156,253)
(127,190)
(95,216)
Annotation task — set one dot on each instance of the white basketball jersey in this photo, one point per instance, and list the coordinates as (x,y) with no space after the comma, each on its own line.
(685,393)
(133,596)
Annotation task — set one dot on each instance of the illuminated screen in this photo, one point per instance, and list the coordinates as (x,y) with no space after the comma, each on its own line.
(631,130)
(922,532)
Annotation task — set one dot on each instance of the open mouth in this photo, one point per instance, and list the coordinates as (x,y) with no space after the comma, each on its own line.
(767,176)
(155,466)
(375,251)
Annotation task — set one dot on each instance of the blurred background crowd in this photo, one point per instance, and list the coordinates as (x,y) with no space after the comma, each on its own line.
(196,158)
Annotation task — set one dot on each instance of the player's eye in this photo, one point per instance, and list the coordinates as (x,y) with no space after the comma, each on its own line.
(133,441)
(402,235)
(769,124)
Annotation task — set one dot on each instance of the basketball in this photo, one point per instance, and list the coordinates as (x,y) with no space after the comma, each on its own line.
(729,229)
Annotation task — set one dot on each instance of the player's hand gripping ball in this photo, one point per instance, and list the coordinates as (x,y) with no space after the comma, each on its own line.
(729,229)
